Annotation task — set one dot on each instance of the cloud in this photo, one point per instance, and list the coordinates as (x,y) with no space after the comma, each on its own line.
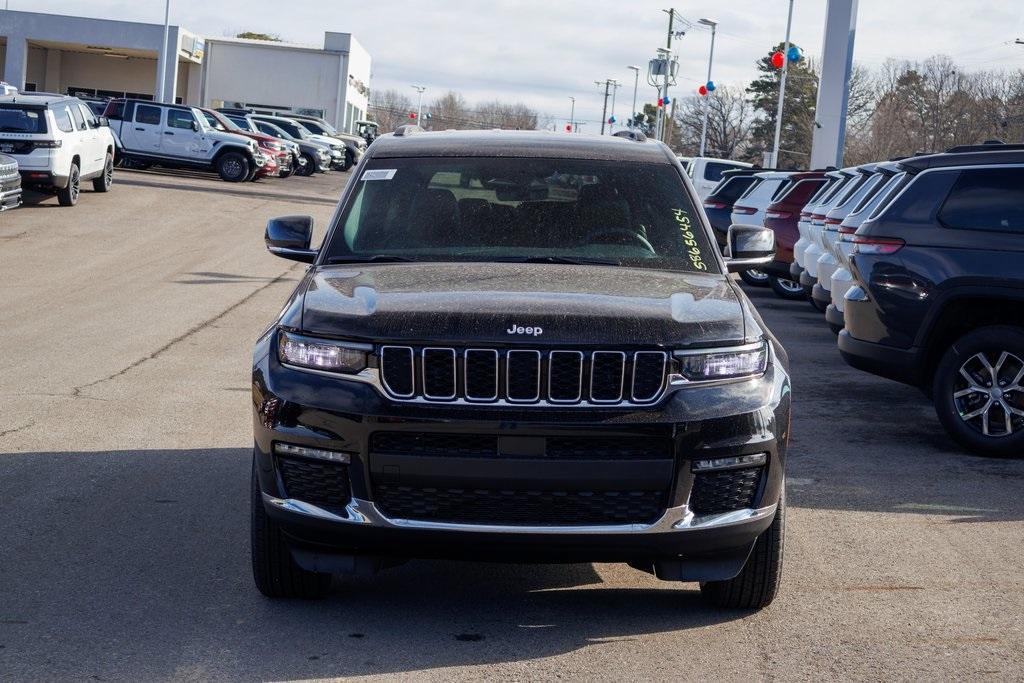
(543,52)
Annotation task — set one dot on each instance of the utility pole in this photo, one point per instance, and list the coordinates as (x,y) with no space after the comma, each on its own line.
(636,82)
(572,115)
(607,83)
(419,104)
(711,57)
(782,90)
(611,125)
(662,110)
(162,62)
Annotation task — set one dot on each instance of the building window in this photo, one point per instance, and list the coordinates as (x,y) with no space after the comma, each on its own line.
(30,87)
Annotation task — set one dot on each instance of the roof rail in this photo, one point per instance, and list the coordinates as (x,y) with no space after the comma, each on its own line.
(634,135)
(408,129)
(987,146)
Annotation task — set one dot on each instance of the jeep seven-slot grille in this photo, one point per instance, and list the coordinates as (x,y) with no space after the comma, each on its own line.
(523,376)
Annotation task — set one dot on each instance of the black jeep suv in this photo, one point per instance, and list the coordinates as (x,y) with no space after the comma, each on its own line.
(519,346)
(939,295)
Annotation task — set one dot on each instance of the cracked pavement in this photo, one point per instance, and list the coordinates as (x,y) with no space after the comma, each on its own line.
(126,329)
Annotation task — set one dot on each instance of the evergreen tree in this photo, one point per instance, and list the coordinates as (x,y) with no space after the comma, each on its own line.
(797,112)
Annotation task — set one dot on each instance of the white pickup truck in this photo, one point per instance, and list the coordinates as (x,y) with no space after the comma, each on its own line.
(179,136)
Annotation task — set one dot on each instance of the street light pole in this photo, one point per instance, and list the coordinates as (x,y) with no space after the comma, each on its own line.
(419,104)
(782,90)
(572,115)
(711,57)
(162,76)
(636,82)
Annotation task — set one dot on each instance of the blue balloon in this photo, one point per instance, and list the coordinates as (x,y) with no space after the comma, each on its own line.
(667,101)
(795,54)
(710,85)
(611,119)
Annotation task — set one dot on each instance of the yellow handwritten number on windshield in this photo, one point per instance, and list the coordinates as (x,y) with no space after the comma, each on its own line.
(689,239)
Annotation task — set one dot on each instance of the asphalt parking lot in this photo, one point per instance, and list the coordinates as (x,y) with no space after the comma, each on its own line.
(125,336)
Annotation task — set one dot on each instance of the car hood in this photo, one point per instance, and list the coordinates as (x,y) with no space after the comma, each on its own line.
(222,136)
(463,303)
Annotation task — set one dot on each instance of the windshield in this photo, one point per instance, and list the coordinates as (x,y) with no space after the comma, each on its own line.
(314,127)
(514,209)
(22,120)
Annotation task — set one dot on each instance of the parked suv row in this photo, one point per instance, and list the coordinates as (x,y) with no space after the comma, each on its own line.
(938,293)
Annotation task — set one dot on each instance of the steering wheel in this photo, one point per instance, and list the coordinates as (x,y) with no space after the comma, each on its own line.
(613,233)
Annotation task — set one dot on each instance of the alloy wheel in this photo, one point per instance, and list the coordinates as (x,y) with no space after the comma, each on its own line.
(74,185)
(989,395)
(756,274)
(233,168)
(791,286)
(108,173)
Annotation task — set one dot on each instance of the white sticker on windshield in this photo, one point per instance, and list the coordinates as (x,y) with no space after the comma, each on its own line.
(380,174)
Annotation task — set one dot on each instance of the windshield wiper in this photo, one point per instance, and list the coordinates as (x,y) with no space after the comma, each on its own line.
(376,258)
(570,260)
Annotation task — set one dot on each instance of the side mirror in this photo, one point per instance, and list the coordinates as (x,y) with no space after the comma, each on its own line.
(289,237)
(750,246)
(195,125)
(103,122)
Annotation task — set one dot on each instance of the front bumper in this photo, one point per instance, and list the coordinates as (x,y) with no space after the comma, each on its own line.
(10,192)
(314,410)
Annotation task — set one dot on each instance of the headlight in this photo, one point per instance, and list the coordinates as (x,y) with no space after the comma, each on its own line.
(321,354)
(745,361)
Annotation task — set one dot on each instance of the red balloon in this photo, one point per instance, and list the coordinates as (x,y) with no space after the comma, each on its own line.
(702,90)
(778,59)
(568,128)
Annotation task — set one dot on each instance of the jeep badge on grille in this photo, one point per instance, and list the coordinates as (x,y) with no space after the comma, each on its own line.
(519,329)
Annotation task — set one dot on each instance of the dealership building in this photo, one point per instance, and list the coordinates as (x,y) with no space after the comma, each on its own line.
(106,58)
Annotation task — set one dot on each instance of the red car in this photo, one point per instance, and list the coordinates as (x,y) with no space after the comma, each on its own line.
(279,159)
(781,217)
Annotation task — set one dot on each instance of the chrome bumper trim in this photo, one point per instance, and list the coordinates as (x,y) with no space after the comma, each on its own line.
(364,512)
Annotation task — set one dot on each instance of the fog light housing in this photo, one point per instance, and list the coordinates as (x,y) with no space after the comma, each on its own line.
(313,453)
(733,462)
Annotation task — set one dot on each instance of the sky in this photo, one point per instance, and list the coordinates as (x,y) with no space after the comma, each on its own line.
(542,52)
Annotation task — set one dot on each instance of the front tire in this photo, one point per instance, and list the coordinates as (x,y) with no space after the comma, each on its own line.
(978,390)
(757,585)
(310,167)
(786,289)
(68,195)
(754,277)
(233,167)
(106,179)
(276,573)
(349,161)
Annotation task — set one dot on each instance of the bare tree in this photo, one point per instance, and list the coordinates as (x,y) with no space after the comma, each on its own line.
(730,116)
(390,109)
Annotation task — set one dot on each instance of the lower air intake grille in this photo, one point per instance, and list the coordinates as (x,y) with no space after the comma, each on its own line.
(724,491)
(533,508)
(440,445)
(324,484)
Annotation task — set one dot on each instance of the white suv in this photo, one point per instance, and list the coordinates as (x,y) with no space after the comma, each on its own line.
(58,143)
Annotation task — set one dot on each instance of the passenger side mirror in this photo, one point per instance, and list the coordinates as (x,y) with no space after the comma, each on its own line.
(195,125)
(750,246)
(289,237)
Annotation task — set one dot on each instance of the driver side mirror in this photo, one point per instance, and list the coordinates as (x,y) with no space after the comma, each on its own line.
(290,236)
(195,125)
(750,246)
